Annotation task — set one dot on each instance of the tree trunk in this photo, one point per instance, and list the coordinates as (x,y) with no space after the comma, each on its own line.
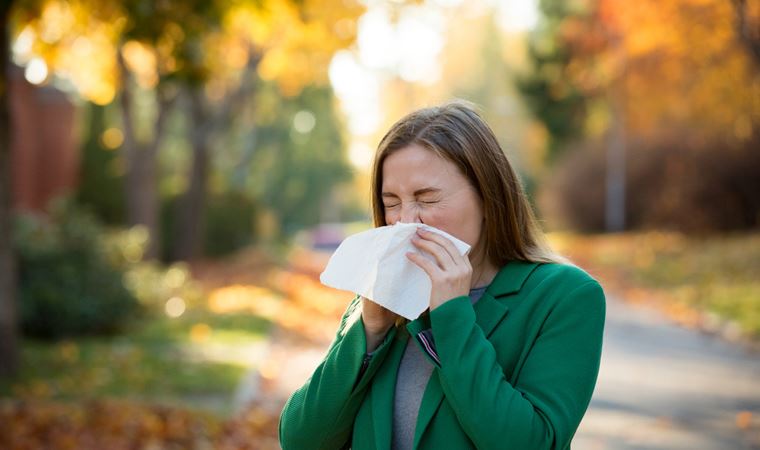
(9,358)
(189,215)
(142,196)
(749,32)
(141,186)
(614,216)
(615,177)
(189,223)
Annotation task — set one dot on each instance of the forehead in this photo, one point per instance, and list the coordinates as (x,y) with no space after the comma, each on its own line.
(414,167)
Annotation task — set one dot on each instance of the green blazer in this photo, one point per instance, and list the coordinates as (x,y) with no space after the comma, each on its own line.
(517,370)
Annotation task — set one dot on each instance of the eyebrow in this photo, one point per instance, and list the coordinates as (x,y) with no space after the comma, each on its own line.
(418,192)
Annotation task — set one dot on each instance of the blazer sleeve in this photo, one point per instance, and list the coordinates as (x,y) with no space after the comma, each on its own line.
(545,406)
(320,414)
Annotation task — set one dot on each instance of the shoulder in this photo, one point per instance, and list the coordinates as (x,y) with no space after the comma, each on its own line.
(559,284)
(565,274)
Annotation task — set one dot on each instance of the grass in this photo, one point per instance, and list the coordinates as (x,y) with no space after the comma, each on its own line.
(196,359)
(717,275)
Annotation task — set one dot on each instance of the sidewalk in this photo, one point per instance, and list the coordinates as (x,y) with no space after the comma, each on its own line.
(663,386)
(304,315)
(309,317)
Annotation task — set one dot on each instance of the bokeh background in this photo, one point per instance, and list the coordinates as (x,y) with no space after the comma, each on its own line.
(175,174)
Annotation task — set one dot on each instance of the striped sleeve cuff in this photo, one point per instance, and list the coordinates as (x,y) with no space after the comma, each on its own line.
(425,337)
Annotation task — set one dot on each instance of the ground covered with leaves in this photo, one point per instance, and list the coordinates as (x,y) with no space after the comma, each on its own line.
(709,282)
(117,425)
(181,379)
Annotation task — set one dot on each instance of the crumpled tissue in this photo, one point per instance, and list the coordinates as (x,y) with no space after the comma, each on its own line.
(373,264)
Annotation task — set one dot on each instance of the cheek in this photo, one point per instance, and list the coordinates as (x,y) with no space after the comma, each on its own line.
(391,217)
(448,221)
(433,217)
(456,223)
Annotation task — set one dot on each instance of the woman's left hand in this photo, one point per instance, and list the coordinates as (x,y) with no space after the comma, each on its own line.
(450,274)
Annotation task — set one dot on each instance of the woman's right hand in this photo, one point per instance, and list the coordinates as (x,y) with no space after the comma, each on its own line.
(377,321)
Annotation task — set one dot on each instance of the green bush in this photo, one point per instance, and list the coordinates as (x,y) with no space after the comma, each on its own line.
(67,286)
(150,282)
(228,224)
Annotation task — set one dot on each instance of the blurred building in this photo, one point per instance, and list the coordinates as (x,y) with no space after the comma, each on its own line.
(44,151)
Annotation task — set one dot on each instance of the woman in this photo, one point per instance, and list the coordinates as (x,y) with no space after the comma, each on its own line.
(507,355)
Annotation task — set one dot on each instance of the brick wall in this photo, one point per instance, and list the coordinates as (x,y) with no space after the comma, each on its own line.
(44,148)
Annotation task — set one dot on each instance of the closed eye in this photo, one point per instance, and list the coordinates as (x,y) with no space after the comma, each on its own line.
(426,203)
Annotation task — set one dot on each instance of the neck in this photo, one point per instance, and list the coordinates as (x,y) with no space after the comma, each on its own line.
(483,272)
(482,275)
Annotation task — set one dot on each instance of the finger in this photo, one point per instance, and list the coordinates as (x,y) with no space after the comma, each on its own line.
(444,242)
(425,264)
(442,257)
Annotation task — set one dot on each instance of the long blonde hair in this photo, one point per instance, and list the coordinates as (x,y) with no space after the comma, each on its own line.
(456,132)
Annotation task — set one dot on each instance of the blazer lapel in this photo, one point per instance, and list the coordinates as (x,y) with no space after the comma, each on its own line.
(489,312)
(384,389)
(511,277)
(431,401)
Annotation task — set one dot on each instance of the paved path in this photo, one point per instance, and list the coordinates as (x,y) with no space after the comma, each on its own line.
(666,387)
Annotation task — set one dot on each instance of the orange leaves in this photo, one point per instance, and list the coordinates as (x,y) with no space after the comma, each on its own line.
(677,64)
(310,310)
(103,424)
(304,312)
(238,298)
(744,420)
(305,306)
(117,425)
(255,428)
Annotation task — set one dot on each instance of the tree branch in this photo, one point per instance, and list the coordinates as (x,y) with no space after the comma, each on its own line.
(165,100)
(125,102)
(234,100)
(743,28)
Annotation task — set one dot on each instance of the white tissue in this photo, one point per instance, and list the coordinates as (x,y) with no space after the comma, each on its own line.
(373,264)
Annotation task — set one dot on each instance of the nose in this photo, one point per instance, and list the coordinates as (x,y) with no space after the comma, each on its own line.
(410,213)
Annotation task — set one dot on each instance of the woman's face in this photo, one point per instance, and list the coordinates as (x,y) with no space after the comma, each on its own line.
(421,187)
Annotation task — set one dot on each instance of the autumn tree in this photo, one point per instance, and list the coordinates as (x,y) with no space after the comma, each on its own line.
(675,76)
(204,55)
(8,339)
(291,47)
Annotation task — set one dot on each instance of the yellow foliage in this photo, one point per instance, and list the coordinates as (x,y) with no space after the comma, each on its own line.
(200,332)
(296,45)
(142,61)
(76,45)
(79,40)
